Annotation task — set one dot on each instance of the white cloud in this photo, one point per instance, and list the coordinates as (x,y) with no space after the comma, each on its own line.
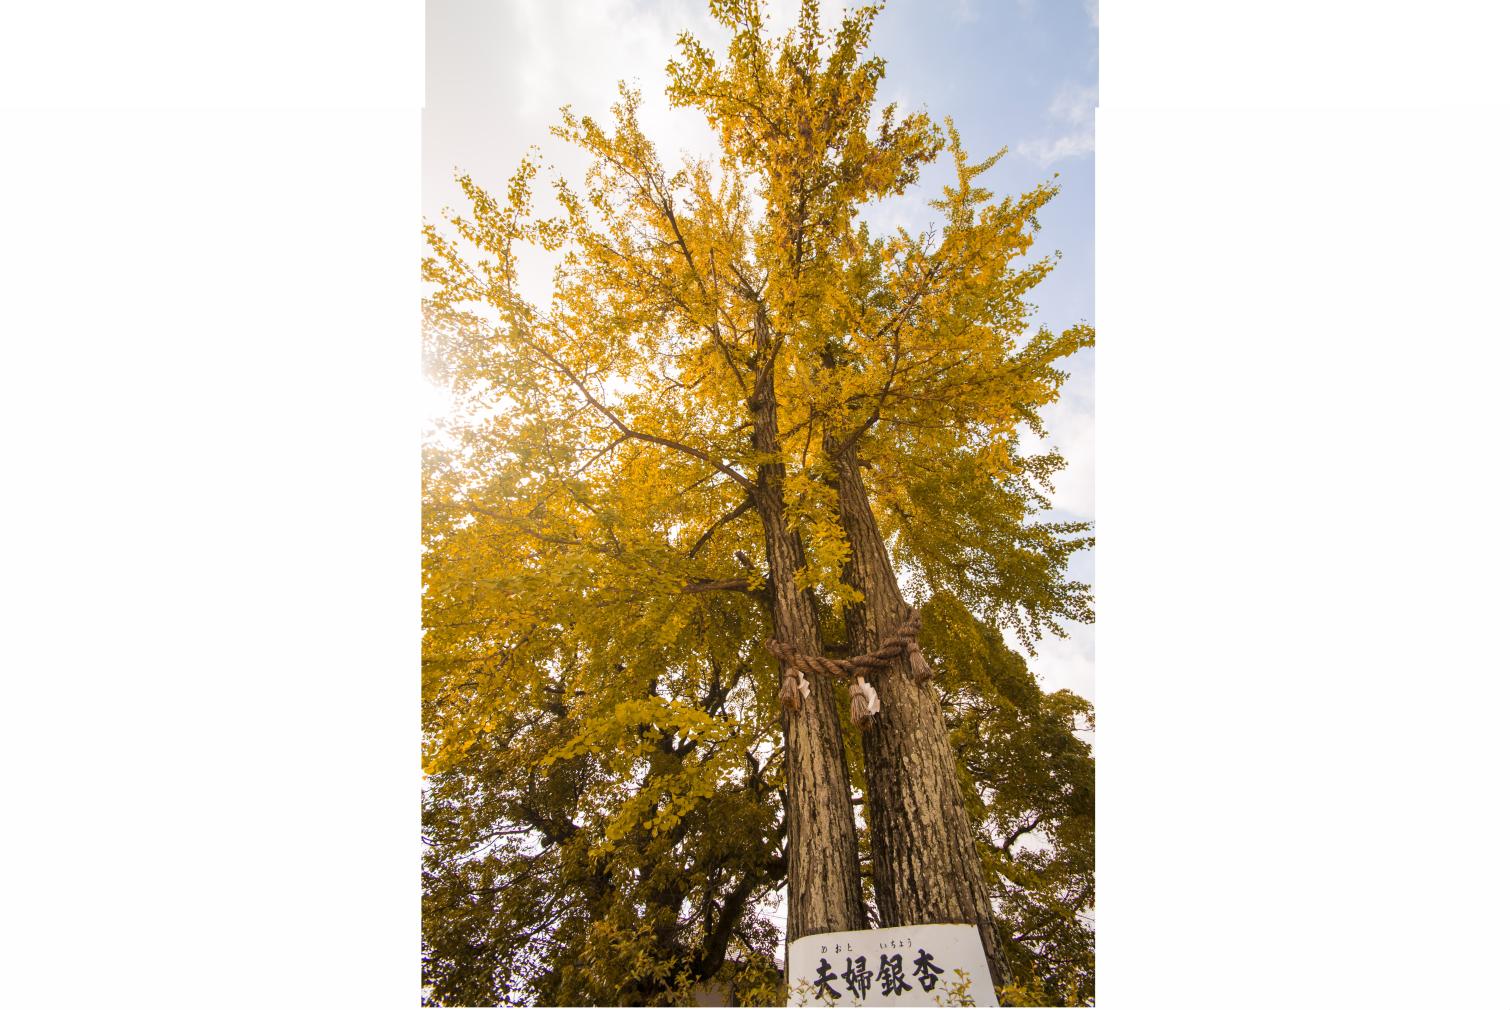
(1062,148)
(1073,105)
(782,14)
(1071,423)
(499,75)
(968,11)
(1067,663)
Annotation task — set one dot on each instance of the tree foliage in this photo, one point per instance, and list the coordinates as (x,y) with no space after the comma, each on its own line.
(1029,781)
(610,858)
(623,859)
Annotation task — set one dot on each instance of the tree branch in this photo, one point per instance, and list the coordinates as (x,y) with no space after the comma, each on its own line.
(720,585)
(629,432)
(1018,832)
(728,517)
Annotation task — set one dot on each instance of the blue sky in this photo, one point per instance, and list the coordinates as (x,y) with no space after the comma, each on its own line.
(1021,73)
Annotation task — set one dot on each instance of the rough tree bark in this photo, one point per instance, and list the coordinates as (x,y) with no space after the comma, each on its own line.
(926,866)
(823,863)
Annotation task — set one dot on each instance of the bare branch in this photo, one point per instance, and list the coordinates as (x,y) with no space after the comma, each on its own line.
(720,585)
(728,517)
(629,432)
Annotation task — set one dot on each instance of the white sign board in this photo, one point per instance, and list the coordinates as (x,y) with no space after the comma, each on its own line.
(934,965)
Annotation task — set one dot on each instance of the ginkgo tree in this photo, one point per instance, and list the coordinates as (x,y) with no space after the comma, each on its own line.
(732,367)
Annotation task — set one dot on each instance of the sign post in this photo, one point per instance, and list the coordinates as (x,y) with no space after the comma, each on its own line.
(931,965)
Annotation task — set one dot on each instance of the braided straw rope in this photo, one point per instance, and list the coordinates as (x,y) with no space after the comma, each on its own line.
(863,701)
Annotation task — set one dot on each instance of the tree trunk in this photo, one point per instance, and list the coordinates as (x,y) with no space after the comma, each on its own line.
(823,863)
(926,866)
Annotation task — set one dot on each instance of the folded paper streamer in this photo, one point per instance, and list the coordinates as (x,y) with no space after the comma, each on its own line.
(863,703)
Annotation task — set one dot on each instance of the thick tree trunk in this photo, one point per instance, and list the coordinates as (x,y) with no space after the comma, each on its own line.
(823,864)
(926,866)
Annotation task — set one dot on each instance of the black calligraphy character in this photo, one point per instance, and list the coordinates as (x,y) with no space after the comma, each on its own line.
(825,976)
(926,971)
(856,978)
(890,977)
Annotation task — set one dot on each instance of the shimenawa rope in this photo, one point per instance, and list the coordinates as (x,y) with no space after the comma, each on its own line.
(863,702)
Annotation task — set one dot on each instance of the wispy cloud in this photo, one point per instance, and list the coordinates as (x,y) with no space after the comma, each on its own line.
(1068,663)
(1046,151)
(1073,107)
(1074,104)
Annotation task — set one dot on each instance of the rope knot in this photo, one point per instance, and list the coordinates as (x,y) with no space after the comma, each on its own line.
(863,703)
(794,688)
(921,671)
